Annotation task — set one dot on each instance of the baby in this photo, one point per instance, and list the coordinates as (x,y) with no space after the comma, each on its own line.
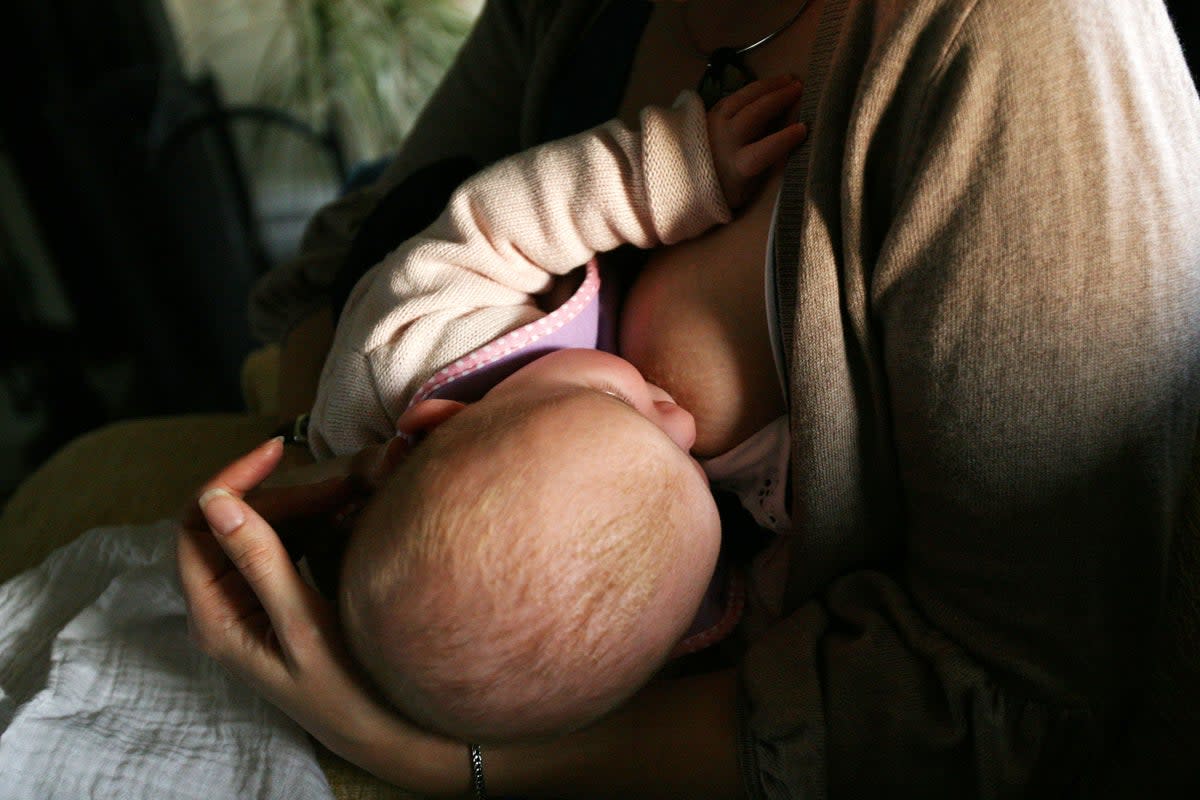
(544,549)
(537,557)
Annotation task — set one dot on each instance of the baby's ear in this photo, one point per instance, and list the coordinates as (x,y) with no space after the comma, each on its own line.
(426,415)
(373,465)
(394,453)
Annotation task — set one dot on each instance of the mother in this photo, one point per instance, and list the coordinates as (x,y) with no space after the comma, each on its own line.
(986,293)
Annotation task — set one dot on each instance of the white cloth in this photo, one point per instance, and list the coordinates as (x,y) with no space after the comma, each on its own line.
(756,471)
(103,695)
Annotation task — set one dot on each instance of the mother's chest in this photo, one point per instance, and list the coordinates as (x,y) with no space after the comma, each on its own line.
(695,323)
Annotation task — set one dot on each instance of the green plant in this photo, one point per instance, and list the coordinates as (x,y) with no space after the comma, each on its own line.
(366,66)
(372,63)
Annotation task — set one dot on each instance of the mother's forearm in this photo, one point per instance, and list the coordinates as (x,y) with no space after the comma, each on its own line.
(674,739)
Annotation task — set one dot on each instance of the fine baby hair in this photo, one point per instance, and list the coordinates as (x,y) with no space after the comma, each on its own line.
(529,566)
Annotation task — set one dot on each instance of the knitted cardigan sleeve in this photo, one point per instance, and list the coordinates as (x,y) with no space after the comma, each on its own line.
(995,387)
(505,235)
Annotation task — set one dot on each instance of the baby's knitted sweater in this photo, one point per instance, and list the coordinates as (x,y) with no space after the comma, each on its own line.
(506,234)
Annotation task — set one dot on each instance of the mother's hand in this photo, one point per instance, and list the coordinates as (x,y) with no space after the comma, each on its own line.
(250,610)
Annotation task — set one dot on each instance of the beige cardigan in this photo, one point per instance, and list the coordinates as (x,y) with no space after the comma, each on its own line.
(507,232)
(990,289)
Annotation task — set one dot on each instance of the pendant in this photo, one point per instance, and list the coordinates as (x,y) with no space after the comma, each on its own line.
(725,74)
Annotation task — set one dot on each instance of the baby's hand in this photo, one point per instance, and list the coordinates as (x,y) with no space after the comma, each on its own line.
(746,137)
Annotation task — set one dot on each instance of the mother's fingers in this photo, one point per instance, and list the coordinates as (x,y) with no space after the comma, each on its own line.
(225,618)
(259,555)
(276,503)
(202,566)
(240,476)
(212,586)
(284,503)
(250,470)
(200,561)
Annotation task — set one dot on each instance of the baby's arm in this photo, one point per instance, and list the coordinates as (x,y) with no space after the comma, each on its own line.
(746,138)
(511,229)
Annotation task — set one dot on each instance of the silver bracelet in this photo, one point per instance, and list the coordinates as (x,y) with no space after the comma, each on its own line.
(477,781)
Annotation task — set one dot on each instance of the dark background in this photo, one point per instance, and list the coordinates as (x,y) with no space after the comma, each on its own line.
(129,178)
(138,197)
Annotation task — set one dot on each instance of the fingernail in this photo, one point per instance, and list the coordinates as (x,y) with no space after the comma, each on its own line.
(221,510)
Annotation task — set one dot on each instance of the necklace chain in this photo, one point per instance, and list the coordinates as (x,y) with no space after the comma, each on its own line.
(737,51)
(725,71)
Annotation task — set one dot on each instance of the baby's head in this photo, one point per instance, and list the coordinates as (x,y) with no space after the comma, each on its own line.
(537,557)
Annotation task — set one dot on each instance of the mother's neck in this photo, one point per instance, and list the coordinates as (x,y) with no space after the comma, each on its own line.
(709,24)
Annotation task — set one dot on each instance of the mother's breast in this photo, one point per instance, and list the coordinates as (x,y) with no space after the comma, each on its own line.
(695,324)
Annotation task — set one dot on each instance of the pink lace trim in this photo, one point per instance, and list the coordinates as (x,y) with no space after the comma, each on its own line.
(515,340)
(735,605)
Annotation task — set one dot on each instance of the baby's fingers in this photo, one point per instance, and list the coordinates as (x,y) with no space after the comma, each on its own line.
(757,157)
(731,106)
(764,112)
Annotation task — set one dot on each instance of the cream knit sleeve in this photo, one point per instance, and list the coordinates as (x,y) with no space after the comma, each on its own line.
(504,237)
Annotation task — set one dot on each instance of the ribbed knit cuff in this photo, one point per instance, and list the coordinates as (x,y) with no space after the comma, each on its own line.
(680,173)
